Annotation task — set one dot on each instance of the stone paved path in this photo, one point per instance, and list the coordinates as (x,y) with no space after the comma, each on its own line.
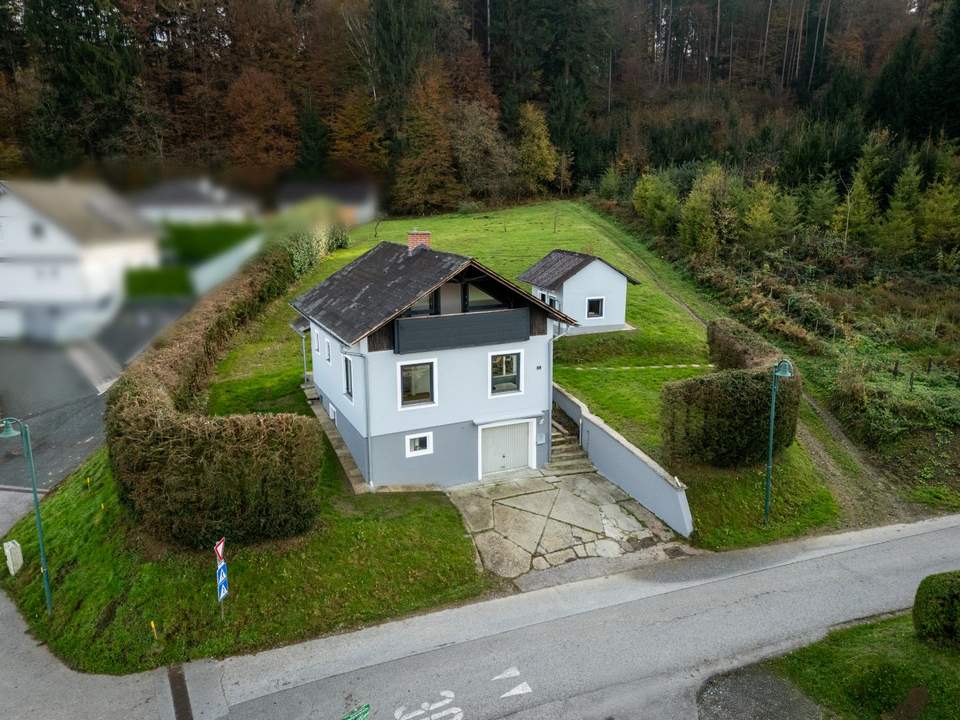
(537,522)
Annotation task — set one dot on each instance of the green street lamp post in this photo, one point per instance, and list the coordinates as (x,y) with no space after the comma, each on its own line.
(10,431)
(783,369)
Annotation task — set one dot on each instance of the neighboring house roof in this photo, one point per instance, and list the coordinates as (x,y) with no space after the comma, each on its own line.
(384,282)
(345,193)
(190,192)
(560,265)
(89,211)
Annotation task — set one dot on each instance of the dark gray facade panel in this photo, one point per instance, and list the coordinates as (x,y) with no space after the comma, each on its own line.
(444,332)
(453,461)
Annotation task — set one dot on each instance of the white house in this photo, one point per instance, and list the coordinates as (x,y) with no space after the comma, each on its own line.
(65,247)
(587,288)
(435,370)
(193,201)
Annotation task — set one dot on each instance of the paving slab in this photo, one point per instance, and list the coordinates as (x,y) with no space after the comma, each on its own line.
(538,503)
(477,511)
(561,557)
(520,527)
(574,510)
(558,535)
(500,556)
(609,548)
(593,488)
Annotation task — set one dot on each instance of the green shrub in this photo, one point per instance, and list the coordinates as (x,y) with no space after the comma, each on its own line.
(936,610)
(723,418)
(656,201)
(158,282)
(189,478)
(611,183)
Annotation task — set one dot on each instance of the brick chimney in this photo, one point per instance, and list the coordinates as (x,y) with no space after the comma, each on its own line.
(417,239)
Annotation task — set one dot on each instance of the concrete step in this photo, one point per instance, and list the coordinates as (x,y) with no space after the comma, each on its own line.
(567,453)
(557,444)
(580,468)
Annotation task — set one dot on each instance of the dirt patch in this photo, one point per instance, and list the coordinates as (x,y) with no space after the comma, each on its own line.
(755,693)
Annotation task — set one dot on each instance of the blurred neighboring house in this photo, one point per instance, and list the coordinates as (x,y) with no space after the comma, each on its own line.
(357,201)
(194,201)
(65,247)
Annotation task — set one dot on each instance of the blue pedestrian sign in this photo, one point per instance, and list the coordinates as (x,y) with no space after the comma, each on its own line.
(222,584)
(223,587)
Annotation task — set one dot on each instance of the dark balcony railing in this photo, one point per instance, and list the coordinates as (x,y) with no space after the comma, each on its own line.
(443,332)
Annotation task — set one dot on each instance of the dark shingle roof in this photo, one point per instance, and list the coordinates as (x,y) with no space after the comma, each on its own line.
(559,266)
(382,283)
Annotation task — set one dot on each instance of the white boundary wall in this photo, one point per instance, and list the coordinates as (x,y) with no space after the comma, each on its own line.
(625,465)
(214,271)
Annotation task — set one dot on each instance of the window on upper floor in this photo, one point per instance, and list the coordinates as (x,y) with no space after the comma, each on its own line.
(417,382)
(37,230)
(506,370)
(475,299)
(326,350)
(429,304)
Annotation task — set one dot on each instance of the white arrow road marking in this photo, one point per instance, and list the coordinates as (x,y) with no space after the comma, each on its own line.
(508,673)
(521,689)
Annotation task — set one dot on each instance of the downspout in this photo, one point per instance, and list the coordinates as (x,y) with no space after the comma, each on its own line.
(366,410)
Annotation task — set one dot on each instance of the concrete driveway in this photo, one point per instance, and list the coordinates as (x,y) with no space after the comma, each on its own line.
(542,529)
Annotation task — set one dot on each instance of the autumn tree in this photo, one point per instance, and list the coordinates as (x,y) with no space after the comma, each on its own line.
(537,157)
(264,125)
(486,161)
(426,179)
(358,143)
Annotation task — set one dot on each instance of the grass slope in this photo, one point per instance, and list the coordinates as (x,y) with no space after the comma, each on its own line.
(366,559)
(864,672)
(191,244)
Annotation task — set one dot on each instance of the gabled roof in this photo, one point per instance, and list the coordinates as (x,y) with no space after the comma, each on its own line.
(346,193)
(384,282)
(560,265)
(89,211)
(199,192)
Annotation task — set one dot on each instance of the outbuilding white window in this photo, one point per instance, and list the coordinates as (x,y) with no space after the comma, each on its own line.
(505,373)
(419,444)
(326,345)
(595,307)
(417,384)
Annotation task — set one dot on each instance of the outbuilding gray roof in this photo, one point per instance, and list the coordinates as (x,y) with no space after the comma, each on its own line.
(560,265)
(385,281)
(198,192)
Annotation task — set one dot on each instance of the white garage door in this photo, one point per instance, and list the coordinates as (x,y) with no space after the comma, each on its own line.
(506,447)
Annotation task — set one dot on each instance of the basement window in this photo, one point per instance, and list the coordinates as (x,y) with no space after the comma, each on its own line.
(419,444)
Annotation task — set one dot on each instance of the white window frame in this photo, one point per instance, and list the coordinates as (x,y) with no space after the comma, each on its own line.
(316,339)
(418,453)
(603,307)
(436,384)
(332,412)
(347,360)
(328,353)
(531,442)
(490,394)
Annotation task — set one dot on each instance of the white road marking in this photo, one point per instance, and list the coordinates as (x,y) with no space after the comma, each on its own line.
(521,689)
(453,713)
(508,673)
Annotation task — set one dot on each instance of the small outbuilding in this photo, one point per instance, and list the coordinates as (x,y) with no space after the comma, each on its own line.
(587,288)
(194,201)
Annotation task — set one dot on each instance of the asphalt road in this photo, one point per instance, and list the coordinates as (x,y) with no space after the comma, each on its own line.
(636,645)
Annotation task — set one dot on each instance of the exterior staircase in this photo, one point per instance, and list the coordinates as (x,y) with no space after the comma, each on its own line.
(566,455)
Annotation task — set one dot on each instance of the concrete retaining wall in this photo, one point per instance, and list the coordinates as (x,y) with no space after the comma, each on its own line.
(625,465)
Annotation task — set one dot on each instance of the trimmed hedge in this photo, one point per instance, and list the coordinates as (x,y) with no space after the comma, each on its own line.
(936,609)
(723,418)
(190,478)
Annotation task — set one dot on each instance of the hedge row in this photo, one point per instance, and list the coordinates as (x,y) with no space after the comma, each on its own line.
(723,418)
(190,478)
(936,610)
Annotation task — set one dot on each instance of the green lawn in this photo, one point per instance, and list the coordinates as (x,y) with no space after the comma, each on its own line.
(864,672)
(191,244)
(170,281)
(366,559)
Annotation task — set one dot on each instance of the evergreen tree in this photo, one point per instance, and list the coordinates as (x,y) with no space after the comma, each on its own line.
(854,219)
(896,97)
(426,179)
(896,234)
(760,227)
(940,218)
(943,73)
(314,146)
(820,203)
(537,157)
(786,215)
